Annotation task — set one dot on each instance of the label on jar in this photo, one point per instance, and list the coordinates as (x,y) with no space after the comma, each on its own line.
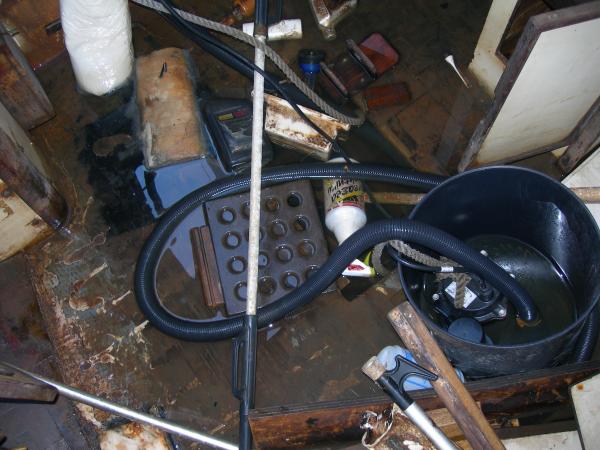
(339,192)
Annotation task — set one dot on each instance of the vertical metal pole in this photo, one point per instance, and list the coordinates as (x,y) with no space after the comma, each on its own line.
(250,326)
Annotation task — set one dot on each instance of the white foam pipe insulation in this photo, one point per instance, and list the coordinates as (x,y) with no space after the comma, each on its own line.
(98,39)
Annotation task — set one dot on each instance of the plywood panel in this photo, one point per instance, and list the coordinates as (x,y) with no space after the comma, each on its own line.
(543,97)
(556,87)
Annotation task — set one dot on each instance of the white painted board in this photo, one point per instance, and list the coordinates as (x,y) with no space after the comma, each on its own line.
(568,440)
(557,85)
(586,400)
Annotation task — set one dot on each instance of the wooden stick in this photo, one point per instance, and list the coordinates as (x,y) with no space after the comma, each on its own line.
(417,338)
(17,388)
(585,194)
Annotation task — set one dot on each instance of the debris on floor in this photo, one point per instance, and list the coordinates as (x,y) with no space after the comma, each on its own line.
(208,209)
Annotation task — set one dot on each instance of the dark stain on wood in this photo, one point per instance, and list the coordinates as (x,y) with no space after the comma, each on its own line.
(304,425)
(18,172)
(20,91)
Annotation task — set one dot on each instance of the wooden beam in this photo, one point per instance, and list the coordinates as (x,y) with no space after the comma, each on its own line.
(585,194)
(589,131)
(14,388)
(302,425)
(22,170)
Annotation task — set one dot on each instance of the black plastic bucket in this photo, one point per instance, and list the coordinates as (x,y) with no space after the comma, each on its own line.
(532,208)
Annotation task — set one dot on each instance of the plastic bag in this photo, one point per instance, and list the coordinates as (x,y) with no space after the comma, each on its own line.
(98,39)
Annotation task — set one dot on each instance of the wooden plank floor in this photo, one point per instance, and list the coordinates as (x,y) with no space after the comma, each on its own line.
(23,341)
(83,278)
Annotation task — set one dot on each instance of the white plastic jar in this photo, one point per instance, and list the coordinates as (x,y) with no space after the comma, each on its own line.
(344,205)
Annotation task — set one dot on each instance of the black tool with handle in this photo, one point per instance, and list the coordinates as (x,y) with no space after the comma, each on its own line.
(392,382)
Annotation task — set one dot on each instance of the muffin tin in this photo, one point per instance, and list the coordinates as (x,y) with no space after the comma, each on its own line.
(292,243)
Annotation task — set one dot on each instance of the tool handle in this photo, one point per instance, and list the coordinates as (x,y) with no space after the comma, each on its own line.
(429,429)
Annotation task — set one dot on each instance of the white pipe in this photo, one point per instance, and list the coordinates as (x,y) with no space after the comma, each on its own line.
(255,175)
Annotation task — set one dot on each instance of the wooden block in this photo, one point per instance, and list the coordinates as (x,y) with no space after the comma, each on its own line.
(170,124)
(206,266)
(286,128)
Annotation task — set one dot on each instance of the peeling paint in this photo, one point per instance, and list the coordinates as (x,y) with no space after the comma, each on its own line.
(88,413)
(78,285)
(5,210)
(412,445)
(79,253)
(103,357)
(50,279)
(85,303)
(119,299)
(134,436)
(137,331)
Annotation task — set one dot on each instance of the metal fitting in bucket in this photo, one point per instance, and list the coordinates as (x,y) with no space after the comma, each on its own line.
(538,231)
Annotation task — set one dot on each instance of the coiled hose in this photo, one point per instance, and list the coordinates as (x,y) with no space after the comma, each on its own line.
(367,237)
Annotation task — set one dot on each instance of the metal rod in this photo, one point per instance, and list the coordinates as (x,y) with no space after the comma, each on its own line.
(114,408)
(250,324)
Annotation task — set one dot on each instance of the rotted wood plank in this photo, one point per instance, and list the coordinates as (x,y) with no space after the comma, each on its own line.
(302,425)
(23,171)
(15,388)
(589,131)
(20,90)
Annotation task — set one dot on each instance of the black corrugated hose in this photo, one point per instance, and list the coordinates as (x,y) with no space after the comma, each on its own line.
(367,237)
(588,337)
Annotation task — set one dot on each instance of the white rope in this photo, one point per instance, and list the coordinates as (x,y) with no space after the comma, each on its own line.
(255,185)
(269,52)
(461,279)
